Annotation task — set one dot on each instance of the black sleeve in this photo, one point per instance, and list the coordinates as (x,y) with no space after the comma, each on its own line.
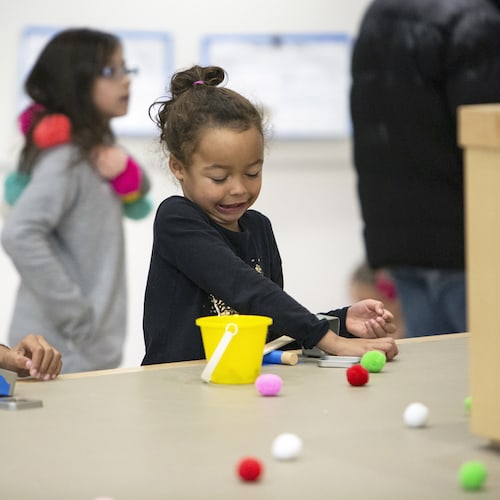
(185,238)
(342,314)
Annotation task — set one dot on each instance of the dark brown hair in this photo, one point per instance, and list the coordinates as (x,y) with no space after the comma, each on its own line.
(62,80)
(196,102)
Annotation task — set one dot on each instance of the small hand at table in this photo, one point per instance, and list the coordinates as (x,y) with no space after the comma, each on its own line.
(369,319)
(340,346)
(33,356)
(372,323)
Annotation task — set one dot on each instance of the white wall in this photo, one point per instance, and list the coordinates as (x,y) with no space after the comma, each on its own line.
(309,187)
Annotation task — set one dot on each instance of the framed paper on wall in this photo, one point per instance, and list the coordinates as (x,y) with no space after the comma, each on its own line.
(301,80)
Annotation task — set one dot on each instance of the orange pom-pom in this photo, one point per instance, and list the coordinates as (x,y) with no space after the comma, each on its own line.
(131,197)
(52,130)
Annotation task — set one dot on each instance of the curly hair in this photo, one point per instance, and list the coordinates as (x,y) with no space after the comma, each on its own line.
(197,102)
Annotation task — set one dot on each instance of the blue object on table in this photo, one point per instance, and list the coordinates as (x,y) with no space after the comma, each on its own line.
(7,382)
(272,358)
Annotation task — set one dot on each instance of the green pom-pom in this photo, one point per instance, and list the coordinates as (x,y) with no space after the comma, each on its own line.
(14,185)
(138,209)
(472,475)
(373,361)
(468,403)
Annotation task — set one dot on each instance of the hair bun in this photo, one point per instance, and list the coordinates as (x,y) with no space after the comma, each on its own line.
(197,76)
(213,75)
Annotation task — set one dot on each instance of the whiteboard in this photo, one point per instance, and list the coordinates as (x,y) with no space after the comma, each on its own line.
(302,81)
(150,52)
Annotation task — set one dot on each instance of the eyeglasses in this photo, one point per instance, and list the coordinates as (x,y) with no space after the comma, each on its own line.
(111,73)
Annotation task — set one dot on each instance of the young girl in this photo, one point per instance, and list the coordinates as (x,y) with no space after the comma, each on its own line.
(64,232)
(211,253)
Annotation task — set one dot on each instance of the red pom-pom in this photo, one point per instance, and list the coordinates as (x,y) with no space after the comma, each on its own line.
(249,469)
(357,375)
(52,130)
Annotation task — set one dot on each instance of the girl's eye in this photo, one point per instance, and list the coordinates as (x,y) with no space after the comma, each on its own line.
(254,175)
(111,73)
(219,181)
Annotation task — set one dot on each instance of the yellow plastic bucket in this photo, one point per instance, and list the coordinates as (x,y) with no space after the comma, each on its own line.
(234,347)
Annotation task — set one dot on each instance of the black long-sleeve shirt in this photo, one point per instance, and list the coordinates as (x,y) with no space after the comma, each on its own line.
(199,268)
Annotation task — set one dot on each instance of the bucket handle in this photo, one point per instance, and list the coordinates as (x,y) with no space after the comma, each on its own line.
(230,331)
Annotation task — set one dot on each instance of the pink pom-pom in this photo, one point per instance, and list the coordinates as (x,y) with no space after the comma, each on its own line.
(26,118)
(269,384)
(129,181)
(52,130)
(386,287)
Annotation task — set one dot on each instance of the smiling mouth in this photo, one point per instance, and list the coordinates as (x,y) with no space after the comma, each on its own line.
(233,206)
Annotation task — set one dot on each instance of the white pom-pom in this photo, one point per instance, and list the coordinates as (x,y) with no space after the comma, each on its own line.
(416,415)
(286,446)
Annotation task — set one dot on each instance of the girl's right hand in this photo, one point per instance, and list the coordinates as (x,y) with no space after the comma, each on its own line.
(33,356)
(110,161)
(334,345)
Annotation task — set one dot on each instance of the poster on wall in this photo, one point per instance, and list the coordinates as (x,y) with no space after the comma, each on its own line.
(301,80)
(151,53)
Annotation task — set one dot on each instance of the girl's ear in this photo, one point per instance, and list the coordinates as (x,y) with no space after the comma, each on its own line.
(176,167)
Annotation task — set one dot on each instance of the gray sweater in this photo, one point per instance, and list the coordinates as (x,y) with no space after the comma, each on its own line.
(65,237)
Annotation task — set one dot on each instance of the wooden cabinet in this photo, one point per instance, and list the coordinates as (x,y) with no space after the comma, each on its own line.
(479,136)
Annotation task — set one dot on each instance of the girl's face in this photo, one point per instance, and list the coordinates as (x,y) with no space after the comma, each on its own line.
(225,175)
(111,89)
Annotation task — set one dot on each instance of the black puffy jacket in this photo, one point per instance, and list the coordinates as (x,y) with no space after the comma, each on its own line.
(414,62)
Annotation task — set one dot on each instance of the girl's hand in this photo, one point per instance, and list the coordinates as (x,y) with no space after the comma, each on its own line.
(33,356)
(110,161)
(369,319)
(334,345)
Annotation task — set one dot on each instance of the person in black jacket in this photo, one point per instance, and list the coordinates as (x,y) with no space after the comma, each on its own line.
(413,63)
(212,254)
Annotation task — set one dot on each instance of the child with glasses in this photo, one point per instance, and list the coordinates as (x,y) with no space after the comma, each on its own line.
(73,185)
(212,253)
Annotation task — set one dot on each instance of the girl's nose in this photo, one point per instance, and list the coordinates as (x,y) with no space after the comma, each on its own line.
(237,186)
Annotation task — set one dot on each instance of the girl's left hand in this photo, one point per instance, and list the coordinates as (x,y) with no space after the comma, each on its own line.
(370,319)
(110,161)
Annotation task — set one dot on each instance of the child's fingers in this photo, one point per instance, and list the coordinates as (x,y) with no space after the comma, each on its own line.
(387,345)
(377,328)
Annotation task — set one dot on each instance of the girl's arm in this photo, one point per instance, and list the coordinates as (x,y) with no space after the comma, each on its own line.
(185,238)
(128,179)
(26,238)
